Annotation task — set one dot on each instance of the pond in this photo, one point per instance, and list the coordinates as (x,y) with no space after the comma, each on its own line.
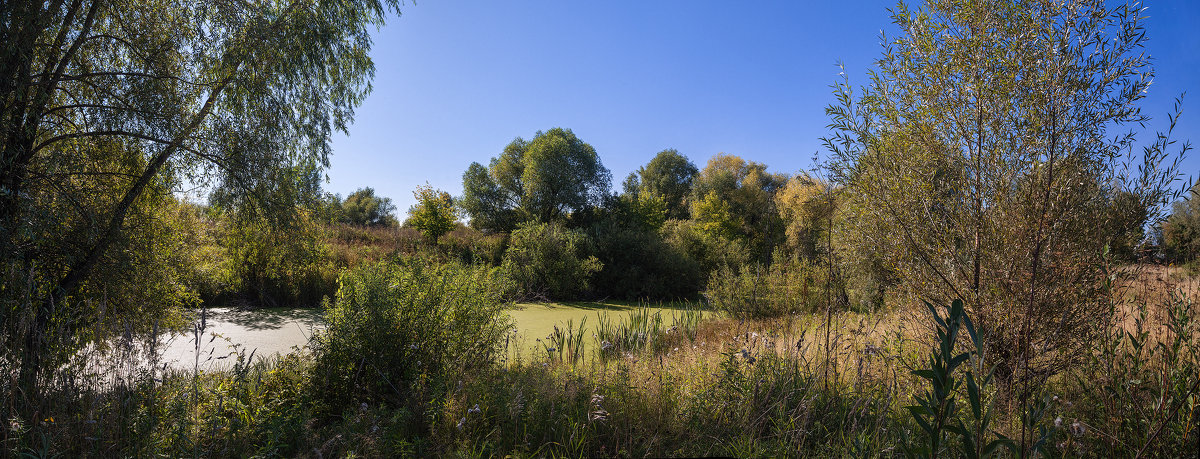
(268,331)
(264,331)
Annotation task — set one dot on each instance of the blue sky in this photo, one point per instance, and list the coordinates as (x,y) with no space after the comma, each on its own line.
(458,80)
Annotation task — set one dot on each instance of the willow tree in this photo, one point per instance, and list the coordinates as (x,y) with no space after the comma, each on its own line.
(107,104)
(984,156)
(545,179)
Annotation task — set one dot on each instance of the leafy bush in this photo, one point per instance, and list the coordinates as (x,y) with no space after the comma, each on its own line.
(787,286)
(1139,388)
(277,265)
(1181,230)
(639,265)
(549,260)
(708,251)
(397,332)
(937,412)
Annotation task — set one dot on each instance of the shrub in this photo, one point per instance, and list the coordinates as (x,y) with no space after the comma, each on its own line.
(708,251)
(639,265)
(1139,391)
(397,332)
(549,260)
(787,286)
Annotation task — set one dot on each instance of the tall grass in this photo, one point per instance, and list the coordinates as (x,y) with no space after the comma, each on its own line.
(643,330)
(678,386)
(565,344)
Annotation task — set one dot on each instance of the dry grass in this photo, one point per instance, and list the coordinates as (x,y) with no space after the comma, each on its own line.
(1143,290)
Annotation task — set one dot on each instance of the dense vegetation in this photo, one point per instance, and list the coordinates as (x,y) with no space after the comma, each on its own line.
(977,269)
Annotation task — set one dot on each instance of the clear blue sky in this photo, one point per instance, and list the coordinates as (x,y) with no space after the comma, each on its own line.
(456,81)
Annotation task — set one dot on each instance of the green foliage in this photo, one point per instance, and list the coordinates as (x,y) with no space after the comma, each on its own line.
(549,260)
(669,177)
(542,180)
(644,211)
(807,206)
(715,218)
(433,214)
(489,206)
(362,207)
(735,199)
(787,286)
(643,330)
(638,263)
(708,251)
(1142,389)
(862,256)
(143,283)
(395,333)
(1181,230)
(1128,216)
(112,106)
(272,265)
(471,246)
(937,410)
(565,344)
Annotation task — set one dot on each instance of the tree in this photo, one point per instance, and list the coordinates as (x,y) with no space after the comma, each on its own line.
(669,175)
(545,179)
(488,206)
(433,214)
(362,207)
(736,198)
(106,103)
(806,207)
(980,155)
(1181,230)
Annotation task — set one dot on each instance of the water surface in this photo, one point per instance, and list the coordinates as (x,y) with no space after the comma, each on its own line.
(263,331)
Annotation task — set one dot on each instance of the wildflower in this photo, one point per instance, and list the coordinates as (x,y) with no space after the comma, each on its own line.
(605,345)
(474,410)
(362,407)
(1078,429)
(461,422)
(1058,422)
